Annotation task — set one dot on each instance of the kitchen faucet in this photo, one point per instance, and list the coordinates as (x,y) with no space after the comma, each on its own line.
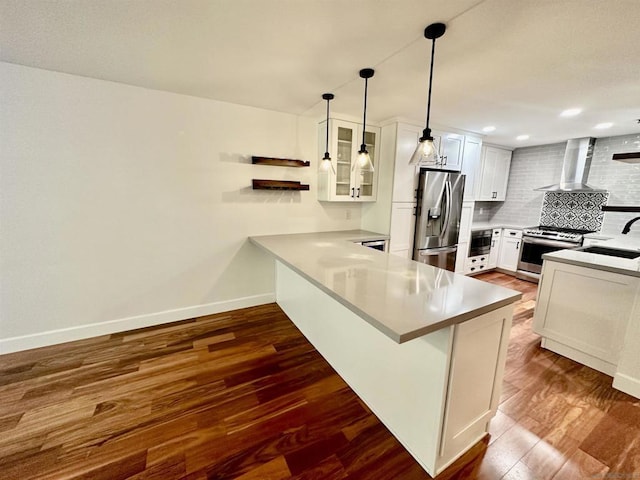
(627,227)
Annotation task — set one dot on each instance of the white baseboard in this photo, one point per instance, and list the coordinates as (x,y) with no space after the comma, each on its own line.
(627,384)
(80,332)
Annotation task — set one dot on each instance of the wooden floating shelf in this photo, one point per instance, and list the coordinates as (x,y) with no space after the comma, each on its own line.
(278,185)
(633,157)
(628,209)
(280,162)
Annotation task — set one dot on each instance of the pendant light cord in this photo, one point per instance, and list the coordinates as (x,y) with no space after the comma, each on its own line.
(433,52)
(326,145)
(364,119)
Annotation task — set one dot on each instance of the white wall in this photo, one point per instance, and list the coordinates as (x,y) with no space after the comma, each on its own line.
(533,167)
(620,178)
(123,207)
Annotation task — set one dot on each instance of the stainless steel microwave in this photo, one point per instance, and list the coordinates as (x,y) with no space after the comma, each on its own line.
(480,242)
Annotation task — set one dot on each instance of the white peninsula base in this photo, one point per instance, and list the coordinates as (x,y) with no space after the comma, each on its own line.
(435,393)
(590,313)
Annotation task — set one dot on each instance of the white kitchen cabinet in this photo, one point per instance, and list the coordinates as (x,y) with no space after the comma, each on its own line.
(461,257)
(471,165)
(402,228)
(494,174)
(496,237)
(474,380)
(510,249)
(466,218)
(405,177)
(582,313)
(477,264)
(464,236)
(451,150)
(348,183)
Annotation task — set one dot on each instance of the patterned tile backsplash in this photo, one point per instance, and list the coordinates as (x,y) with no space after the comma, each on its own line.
(580,211)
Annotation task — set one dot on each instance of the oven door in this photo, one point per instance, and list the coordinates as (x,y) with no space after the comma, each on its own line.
(530,262)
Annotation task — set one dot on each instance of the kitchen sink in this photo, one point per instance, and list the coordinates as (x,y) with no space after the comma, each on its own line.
(612,252)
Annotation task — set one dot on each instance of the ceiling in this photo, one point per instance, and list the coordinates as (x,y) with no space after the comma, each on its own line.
(511,64)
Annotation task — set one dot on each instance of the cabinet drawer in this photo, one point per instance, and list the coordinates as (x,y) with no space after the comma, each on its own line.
(511,233)
(476,264)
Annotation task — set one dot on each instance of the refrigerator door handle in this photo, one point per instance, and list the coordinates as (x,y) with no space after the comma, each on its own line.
(447,206)
(436,211)
(436,251)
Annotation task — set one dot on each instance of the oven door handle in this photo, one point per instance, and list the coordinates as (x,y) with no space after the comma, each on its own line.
(551,243)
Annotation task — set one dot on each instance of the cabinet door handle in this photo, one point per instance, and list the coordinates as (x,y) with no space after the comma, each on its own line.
(358,192)
(353,192)
(444,159)
(517,245)
(415,211)
(415,193)
(493,243)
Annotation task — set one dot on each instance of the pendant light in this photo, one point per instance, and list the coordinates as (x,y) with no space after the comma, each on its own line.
(426,151)
(326,163)
(364,160)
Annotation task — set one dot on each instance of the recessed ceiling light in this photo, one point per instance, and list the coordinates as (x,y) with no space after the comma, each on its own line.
(602,126)
(489,129)
(571,112)
(522,137)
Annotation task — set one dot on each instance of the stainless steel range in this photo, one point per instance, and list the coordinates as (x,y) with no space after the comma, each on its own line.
(536,241)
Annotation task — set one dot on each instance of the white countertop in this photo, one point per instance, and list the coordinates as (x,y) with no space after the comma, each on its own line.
(491,226)
(623,266)
(401,298)
(614,240)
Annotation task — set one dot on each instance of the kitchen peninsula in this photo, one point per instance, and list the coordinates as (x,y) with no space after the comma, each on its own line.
(589,307)
(423,347)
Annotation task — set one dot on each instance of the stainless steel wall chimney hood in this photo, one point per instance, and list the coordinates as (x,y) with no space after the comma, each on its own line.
(575,168)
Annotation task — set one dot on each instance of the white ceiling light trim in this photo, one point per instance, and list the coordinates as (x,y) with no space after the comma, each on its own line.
(571,112)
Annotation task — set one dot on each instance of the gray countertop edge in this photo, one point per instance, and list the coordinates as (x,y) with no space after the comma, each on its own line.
(490,226)
(396,337)
(595,266)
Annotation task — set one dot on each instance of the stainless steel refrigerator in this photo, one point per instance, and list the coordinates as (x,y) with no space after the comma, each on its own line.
(438,209)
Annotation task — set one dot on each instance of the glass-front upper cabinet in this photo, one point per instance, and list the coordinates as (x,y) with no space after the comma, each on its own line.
(350,182)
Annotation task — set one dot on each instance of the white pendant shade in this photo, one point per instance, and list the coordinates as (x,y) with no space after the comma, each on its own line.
(327,165)
(363,161)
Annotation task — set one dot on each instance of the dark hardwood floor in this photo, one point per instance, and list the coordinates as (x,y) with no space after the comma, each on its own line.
(244,395)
